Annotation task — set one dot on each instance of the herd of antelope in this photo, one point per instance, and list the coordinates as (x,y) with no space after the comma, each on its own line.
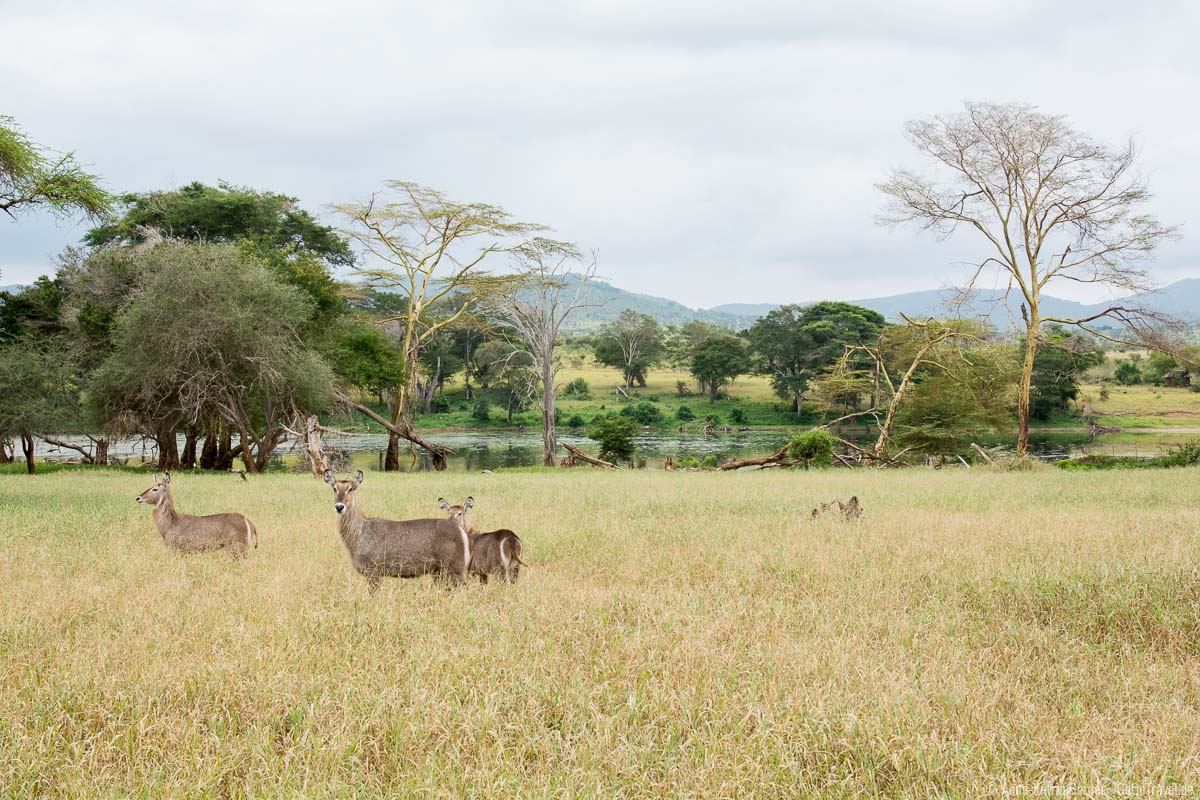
(447,547)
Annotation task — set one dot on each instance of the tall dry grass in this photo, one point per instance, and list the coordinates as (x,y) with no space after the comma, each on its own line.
(680,635)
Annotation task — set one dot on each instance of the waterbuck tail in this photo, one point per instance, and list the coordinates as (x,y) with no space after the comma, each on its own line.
(251,534)
(514,549)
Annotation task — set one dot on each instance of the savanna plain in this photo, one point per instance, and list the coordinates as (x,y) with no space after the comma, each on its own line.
(977,633)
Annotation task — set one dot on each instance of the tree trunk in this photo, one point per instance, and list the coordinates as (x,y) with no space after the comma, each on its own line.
(208,454)
(436,451)
(225,452)
(247,451)
(168,447)
(712,392)
(187,460)
(27,448)
(101,455)
(1024,388)
(5,456)
(549,430)
(391,461)
(312,443)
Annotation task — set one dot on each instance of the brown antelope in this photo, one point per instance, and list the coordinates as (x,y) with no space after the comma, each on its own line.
(848,510)
(193,534)
(385,548)
(494,553)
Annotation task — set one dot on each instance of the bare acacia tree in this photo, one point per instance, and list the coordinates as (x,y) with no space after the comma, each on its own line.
(431,250)
(535,310)
(1053,205)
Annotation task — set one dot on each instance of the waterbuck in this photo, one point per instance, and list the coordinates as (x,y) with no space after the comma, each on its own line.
(192,534)
(494,553)
(385,548)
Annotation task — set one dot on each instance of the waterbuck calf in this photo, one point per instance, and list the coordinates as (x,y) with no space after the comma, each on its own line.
(494,553)
(385,548)
(193,534)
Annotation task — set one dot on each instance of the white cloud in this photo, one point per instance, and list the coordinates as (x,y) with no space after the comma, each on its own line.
(711,153)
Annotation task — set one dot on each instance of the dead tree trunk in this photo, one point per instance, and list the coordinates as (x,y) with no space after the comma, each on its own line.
(756,462)
(312,444)
(576,453)
(436,451)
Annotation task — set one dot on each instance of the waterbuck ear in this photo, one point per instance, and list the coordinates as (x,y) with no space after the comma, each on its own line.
(329,476)
(470,503)
(358,478)
(166,477)
(442,504)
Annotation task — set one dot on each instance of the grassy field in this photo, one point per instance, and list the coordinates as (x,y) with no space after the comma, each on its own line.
(679,635)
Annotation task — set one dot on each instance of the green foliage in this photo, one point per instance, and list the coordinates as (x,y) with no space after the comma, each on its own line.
(224,214)
(684,414)
(709,461)
(35,310)
(718,360)
(1061,359)
(31,177)
(738,416)
(1158,365)
(1186,454)
(577,389)
(212,333)
(615,434)
(575,422)
(363,356)
(797,343)
(688,463)
(481,410)
(1128,373)
(813,448)
(643,412)
(39,384)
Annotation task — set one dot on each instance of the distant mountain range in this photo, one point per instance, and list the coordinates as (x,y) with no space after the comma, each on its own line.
(1180,299)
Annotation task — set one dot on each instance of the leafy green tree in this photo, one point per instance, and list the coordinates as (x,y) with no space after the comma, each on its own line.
(797,343)
(718,360)
(812,449)
(211,333)
(615,435)
(1060,361)
(31,177)
(1128,373)
(35,310)
(40,390)
(643,412)
(222,214)
(1157,365)
(631,343)
(364,357)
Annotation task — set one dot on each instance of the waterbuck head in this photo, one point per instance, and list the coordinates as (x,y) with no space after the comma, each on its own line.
(458,514)
(343,491)
(155,494)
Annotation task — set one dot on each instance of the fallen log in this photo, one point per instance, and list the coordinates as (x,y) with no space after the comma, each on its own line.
(436,451)
(88,458)
(982,453)
(738,463)
(577,454)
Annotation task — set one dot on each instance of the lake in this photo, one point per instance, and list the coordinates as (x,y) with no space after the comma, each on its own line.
(480,450)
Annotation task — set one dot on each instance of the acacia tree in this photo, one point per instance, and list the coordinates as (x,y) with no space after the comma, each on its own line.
(1053,206)
(33,177)
(431,250)
(535,310)
(40,389)
(632,343)
(718,360)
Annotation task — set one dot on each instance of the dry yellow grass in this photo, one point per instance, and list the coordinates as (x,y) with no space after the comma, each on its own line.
(680,635)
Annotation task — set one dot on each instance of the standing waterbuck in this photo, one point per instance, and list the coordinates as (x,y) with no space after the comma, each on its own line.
(493,553)
(385,548)
(193,534)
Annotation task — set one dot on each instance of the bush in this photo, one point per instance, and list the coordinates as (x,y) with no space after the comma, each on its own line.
(575,421)
(615,435)
(1128,373)
(578,389)
(688,463)
(1181,455)
(643,412)
(737,416)
(1103,392)
(481,410)
(685,414)
(439,405)
(709,462)
(813,449)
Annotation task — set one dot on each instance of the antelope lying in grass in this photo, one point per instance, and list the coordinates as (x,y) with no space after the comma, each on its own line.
(193,534)
(494,553)
(848,510)
(385,548)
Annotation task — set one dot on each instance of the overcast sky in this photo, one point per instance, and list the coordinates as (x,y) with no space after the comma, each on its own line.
(710,151)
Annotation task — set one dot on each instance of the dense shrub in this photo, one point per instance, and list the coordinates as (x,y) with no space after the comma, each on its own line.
(643,412)
(812,449)
(615,435)
(738,416)
(685,414)
(709,461)
(575,421)
(481,410)
(578,389)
